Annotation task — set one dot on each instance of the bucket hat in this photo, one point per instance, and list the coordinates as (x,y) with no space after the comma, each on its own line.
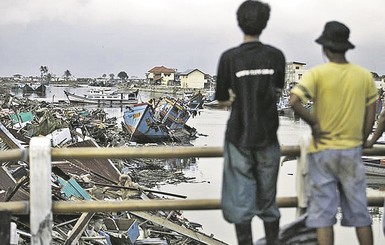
(335,36)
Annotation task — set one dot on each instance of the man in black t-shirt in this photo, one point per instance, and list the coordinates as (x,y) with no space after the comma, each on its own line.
(250,78)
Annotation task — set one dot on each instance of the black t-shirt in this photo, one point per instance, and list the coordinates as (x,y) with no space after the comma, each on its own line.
(253,71)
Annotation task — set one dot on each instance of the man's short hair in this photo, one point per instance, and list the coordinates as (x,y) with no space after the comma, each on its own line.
(252,17)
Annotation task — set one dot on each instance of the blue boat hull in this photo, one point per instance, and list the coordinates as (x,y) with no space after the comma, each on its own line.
(165,121)
(140,124)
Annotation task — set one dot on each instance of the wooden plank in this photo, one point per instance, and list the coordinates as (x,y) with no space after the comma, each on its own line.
(9,139)
(78,229)
(197,236)
(8,183)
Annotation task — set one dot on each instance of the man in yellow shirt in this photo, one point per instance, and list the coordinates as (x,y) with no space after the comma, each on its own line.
(343,114)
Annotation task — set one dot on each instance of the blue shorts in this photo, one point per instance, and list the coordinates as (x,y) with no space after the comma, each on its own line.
(337,177)
(249,184)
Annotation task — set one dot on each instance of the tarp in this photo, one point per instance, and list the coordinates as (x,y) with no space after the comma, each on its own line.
(72,188)
(22,117)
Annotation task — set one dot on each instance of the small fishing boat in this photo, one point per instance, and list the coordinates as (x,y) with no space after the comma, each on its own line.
(215,105)
(374,166)
(37,88)
(163,121)
(104,97)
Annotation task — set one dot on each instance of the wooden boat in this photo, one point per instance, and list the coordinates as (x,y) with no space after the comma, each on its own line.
(374,166)
(195,102)
(104,98)
(34,88)
(140,123)
(149,123)
(211,104)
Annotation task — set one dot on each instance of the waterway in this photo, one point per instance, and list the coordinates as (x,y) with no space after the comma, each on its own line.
(208,173)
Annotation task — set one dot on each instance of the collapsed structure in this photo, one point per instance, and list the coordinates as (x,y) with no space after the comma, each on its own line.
(91,179)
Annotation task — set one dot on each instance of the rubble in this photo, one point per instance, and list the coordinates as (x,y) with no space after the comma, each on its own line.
(92,179)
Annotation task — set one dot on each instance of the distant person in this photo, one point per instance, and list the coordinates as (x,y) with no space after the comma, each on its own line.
(344,97)
(250,79)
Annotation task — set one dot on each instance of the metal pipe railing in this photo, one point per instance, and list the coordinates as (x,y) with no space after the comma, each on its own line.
(151,152)
(10,155)
(66,207)
(40,207)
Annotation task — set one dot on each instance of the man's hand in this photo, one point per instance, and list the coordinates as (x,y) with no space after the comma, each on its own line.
(318,135)
(309,118)
(229,102)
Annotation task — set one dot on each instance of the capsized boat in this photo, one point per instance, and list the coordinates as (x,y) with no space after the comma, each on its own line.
(37,88)
(104,98)
(163,121)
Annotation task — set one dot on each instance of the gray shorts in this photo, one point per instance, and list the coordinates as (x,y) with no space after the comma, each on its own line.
(249,184)
(337,177)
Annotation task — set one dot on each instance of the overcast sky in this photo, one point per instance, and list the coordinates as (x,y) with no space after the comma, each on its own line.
(93,37)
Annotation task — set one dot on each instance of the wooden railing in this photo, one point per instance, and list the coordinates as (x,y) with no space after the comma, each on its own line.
(41,207)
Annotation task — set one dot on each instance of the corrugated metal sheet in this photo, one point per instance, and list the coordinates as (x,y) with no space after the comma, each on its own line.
(7,181)
(101,170)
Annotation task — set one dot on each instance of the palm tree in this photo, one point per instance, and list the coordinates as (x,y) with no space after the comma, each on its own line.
(67,74)
(43,71)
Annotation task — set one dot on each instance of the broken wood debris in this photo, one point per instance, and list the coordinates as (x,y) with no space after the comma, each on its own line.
(92,179)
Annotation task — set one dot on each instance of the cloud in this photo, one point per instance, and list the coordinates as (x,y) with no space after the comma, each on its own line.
(101,12)
(98,36)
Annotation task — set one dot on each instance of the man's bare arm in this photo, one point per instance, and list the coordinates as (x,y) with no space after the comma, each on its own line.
(301,111)
(370,114)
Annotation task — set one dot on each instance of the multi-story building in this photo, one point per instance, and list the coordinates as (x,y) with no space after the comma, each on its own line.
(294,72)
(193,78)
(161,75)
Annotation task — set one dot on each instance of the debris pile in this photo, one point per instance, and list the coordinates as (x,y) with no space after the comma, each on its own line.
(32,118)
(92,179)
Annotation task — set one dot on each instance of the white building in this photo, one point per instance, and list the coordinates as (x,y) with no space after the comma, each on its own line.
(193,78)
(161,75)
(294,72)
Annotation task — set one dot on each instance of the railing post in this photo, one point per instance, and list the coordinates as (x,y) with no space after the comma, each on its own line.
(40,191)
(5,227)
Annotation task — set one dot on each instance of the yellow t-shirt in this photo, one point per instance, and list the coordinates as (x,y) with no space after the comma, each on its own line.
(340,93)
